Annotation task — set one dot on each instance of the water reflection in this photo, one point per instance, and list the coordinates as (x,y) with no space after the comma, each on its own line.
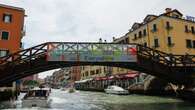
(100,101)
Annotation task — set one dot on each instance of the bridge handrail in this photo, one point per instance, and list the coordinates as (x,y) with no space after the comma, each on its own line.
(154,55)
(165,58)
(17,55)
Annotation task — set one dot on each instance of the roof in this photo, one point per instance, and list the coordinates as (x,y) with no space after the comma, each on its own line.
(11,7)
(136,25)
(175,10)
(148,16)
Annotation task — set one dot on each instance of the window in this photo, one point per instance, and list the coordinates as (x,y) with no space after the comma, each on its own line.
(3,53)
(140,34)
(145,44)
(167,24)
(5,35)
(135,36)
(97,71)
(104,69)
(86,73)
(7,18)
(192,28)
(100,70)
(188,43)
(144,32)
(154,27)
(193,43)
(122,41)
(169,41)
(127,40)
(156,43)
(92,72)
(175,16)
(186,28)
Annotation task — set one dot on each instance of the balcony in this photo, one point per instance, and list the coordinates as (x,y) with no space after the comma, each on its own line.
(135,38)
(171,44)
(187,31)
(155,46)
(154,30)
(169,27)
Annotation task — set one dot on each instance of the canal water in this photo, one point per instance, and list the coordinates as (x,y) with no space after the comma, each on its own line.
(62,100)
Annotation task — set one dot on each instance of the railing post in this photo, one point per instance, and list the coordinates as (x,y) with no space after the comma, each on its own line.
(30,57)
(47,54)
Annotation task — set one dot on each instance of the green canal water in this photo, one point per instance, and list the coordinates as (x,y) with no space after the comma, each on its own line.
(61,100)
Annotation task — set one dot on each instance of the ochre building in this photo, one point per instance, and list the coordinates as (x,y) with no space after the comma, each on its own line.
(169,32)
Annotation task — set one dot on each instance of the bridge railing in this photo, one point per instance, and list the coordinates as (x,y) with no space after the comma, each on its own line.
(26,55)
(165,58)
(32,53)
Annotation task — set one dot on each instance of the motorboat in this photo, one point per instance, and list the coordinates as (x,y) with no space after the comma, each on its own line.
(116,90)
(37,97)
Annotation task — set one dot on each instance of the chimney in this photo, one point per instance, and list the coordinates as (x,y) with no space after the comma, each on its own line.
(113,38)
(167,10)
(100,40)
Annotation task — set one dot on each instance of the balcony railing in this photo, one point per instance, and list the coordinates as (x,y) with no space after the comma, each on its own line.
(171,44)
(154,30)
(169,27)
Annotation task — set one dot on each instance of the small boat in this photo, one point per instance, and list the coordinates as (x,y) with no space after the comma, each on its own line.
(116,90)
(37,97)
(71,90)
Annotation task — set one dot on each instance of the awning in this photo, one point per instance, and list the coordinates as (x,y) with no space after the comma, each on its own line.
(129,75)
(111,77)
(83,81)
(100,78)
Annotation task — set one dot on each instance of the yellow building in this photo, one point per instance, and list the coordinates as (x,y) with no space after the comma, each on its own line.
(93,71)
(169,32)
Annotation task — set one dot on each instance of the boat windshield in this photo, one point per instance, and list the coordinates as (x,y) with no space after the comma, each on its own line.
(37,93)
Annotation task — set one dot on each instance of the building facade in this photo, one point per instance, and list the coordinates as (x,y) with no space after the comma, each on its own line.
(88,72)
(75,73)
(169,32)
(11,29)
(59,78)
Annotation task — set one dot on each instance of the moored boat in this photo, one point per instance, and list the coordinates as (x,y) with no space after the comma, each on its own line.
(116,90)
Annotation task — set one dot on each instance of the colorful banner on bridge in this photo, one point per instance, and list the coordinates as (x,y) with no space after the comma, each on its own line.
(92,52)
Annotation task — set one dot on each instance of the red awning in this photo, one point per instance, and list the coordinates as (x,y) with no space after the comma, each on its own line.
(104,78)
(131,75)
(111,77)
(97,78)
(128,76)
(100,78)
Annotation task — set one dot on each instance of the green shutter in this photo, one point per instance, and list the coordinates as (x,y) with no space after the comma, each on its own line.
(5,35)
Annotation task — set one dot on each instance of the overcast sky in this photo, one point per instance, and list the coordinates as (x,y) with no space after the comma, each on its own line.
(88,20)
